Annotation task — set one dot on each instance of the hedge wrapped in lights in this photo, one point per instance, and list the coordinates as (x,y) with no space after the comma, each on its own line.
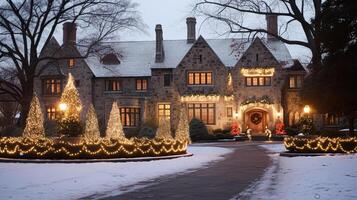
(47,148)
(321,144)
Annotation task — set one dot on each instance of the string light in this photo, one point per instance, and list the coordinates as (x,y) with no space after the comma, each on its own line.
(257,72)
(91,129)
(321,144)
(34,122)
(164,129)
(183,129)
(188,98)
(47,148)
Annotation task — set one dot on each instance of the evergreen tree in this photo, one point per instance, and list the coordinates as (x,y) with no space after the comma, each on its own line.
(34,123)
(115,127)
(164,129)
(183,129)
(91,129)
(69,123)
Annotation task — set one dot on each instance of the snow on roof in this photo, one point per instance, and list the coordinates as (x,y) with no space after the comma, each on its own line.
(138,57)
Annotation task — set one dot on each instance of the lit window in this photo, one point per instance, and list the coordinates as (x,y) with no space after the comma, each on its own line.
(112,85)
(199,78)
(295,81)
(141,84)
(164,110)
(51,86)
(206,112)
(51,112)
(258,81)
(71,63)
(130,116)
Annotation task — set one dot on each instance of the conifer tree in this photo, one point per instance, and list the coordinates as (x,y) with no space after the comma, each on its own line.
(164,129)
(34,123)
(71,106)
(91,129)
(115,127)
(183,129)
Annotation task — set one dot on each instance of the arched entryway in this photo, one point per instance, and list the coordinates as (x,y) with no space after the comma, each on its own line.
(257,120)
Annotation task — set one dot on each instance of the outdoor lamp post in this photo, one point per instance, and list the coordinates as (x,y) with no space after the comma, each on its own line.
(307,109)
(62,106)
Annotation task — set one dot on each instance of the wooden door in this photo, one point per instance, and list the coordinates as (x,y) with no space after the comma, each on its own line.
(256,120)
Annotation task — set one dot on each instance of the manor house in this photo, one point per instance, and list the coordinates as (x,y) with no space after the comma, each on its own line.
(255,82)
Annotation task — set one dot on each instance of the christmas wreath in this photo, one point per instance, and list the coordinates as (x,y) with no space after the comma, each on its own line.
(256,118)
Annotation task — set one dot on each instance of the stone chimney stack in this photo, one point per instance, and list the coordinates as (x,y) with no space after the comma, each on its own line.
(159,57)
(191,29)
(69,33)
(272,26)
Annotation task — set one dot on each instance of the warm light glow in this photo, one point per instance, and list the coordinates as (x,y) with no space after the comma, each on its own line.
(235,115)
(278,114)
(63,106)
(257,72)
(306,109)
(190,98)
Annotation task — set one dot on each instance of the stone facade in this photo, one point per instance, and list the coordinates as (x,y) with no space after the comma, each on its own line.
(226,98)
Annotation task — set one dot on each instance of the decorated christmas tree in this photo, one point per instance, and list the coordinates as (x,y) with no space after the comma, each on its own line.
(115,127)
(34,122)
(183,129)
(70,104)
(164,129)
(91,129)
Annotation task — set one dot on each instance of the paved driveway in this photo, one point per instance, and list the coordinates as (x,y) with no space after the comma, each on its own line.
(221,180)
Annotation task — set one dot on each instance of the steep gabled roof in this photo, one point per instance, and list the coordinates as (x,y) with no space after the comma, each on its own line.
(138,57)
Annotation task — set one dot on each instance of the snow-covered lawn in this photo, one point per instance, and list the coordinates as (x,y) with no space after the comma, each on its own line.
(72,181)
(322,177)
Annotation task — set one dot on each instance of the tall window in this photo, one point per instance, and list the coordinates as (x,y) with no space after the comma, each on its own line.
(164,110)
(112,85)
(141,84)
(71,63)
(167,80)
(206,112)
(257,81)
(51,86)
(199,78)
(130,116)
(295,81)
(331,119)
(51,112)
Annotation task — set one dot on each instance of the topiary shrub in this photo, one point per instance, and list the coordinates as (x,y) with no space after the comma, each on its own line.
(69,127)
(291,131)
(199,131)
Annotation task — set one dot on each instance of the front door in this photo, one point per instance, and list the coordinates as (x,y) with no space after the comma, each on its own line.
(256,120)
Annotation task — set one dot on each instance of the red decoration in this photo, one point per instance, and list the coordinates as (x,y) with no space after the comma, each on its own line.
(279,128)
(235,130)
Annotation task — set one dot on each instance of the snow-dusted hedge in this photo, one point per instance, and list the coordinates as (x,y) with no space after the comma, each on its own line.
(47,148)
(321,144)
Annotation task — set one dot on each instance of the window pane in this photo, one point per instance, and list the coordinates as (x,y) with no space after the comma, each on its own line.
(138,85)
(145,84)
(197,78)
(261,80)
(255,81)
(248,81)
(298,81)
(209,78)
(229,111)
(292,82)
(267,80)
(190,79)
(167,79)
(203,78)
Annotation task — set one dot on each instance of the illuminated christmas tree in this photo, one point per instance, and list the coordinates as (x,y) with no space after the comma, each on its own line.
(164,129)
(34,122)
(183,129)
(114,127)
(70,104)
(91,129)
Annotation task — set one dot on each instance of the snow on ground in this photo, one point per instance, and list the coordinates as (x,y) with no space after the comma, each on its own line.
(72,181)
(320,177)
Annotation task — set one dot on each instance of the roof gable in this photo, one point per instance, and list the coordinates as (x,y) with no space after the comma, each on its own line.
(257,54)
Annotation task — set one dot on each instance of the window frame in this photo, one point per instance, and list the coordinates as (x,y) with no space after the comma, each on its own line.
(258,81)
(71,63)
(164,109)
(133,116)
(294,78)
(53,114)
(110,83)
(170,79)
(142,80)
(229,111)
(198,79)
(57,82)
(194,107)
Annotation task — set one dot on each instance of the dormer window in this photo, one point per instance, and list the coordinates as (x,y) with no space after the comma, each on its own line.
(71,63)
(110,59)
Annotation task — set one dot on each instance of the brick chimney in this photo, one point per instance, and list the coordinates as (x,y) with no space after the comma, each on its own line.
(272,26)
(191,29)
(69,33)
(159,56)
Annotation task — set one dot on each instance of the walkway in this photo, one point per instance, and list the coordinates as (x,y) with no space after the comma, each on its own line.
(221,180)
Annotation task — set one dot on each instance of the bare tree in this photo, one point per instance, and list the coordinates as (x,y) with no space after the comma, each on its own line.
(233,12)
(27,25)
